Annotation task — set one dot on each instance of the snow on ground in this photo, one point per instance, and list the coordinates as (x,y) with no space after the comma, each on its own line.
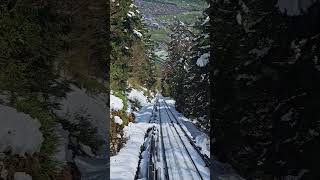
(221,171)
(116,103)
(19,132)
(203,60)
(22,176)
(179,161)
(117,120)
(123,166)
(79,101)
(136,95)
(202,140)
(144,114)
(171,102)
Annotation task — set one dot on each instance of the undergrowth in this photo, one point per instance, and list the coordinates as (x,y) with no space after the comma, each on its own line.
(33,107)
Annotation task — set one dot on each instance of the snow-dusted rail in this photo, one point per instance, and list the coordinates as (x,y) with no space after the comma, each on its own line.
(164,157)
(180,159)
(183,144)
(152,167)
(204,157)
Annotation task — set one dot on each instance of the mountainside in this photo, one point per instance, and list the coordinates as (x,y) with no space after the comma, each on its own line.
(160,15)
(133,71)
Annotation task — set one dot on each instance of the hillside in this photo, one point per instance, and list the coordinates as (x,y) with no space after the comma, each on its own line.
(160,15)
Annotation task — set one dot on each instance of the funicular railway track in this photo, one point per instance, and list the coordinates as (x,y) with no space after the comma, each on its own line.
(183,144)
(203,157)
(173,154)
(177,153)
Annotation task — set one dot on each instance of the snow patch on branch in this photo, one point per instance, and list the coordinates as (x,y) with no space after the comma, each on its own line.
(133,6)
(203,60)
(131,14)
(137,33)
(206,21)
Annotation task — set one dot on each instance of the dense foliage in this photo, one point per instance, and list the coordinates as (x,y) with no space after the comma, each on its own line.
(131,50)
(132,63)
(44,47)
(186,78)
(266,98)
(29,42)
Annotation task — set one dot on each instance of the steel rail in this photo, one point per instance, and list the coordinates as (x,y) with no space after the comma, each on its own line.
(194,164)
(204,157)
(166,172)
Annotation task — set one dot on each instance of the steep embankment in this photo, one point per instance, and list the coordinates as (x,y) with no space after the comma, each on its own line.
(51,75)
(133,72)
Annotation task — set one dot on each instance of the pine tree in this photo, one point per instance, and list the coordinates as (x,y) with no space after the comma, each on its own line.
(187,69)
(264,116)
(132,61)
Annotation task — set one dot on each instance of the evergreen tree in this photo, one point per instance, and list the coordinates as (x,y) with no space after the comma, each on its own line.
(132,62)
(36,38)
(187,71)
(131,55)
(264,103)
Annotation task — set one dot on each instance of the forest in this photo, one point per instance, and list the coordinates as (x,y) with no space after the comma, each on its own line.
(265,76)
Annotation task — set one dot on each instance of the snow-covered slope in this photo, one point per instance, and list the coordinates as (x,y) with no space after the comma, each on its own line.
(123,166)
(136,95)
(79,101)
